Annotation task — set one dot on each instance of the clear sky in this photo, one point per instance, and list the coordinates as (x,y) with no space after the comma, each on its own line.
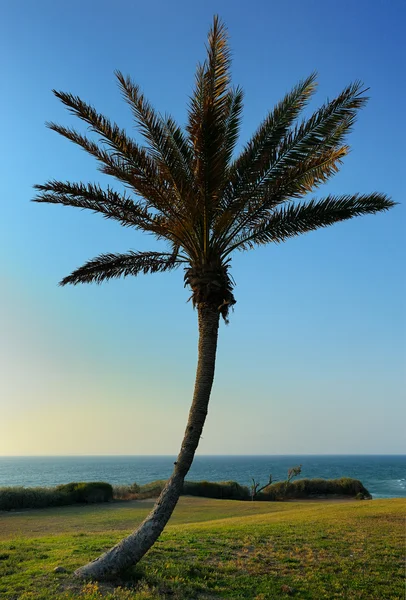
(313,359)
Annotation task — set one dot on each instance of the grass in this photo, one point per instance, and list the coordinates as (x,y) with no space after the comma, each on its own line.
(213,549)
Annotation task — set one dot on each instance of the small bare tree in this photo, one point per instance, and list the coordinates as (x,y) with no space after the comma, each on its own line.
(293,472)
(255,485)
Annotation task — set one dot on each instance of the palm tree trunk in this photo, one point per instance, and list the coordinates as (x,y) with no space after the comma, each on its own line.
(131,549)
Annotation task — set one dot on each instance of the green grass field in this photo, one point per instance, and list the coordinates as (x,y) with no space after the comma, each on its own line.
(213,549)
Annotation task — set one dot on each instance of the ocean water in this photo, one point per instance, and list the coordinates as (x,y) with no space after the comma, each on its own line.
(383,476)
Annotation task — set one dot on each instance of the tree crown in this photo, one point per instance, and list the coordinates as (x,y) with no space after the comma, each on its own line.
(186,187)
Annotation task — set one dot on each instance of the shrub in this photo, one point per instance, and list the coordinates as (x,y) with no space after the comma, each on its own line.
(88,492)
(151,490)
(230,490)
(126,492)
(349,487)
(121,492)
(308,488)
(95,491)
(138,492)
(66,488)
(13,498)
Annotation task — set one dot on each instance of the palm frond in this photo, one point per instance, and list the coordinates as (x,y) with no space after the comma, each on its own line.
(181,147)
(111,134)
(303,177)
(233,122)
(297,181)
(292,220)
(109,203)
(125,160)
(209,110)
(147,183)
(207,123)
(113,266)
(257,154)
(166,141)
(306,144)
(129,163)
(249,166)
(208,104)
(325,129)
(172,153)
(196,114)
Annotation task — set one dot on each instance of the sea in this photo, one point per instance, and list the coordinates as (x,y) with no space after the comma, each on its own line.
(384,476)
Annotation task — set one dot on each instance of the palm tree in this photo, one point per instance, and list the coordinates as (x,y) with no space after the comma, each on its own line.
(187,189)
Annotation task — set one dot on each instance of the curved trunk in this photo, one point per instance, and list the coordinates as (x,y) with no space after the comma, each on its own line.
(131,549)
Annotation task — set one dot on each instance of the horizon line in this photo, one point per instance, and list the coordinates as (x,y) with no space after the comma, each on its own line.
(197,455)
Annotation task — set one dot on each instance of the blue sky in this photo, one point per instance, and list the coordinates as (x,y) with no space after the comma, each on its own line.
(313,359)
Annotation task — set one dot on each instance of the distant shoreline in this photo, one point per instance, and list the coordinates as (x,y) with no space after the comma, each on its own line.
(383,475)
